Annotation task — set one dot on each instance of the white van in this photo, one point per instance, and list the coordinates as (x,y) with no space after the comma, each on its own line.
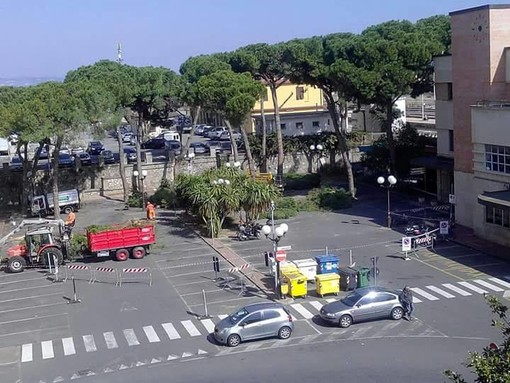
(171,136)
(4,147)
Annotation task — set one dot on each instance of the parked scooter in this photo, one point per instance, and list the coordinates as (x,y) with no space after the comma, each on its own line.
(251,230)
(416,229)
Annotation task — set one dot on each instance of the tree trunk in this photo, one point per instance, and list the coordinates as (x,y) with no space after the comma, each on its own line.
(122,167)
(139,130)
(54,176)
(263,164)
(232,141)
(279,138)
(249,156)
(184,150)
(342,141)
(389,135)
(25,186)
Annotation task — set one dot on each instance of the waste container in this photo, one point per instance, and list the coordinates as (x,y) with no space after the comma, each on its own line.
(308,267)
(328,283)
(327,263)
(284,289)
(348,278)
(363,277)
(297,284)
(287,267)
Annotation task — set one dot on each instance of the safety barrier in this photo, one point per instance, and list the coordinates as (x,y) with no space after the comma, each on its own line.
(78,272)
(234,279)
(135,274)
(105,274)
(240,268)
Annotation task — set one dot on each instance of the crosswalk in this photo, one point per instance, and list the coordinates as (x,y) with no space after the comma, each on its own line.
(193,328)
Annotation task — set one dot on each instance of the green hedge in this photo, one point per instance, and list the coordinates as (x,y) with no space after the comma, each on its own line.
(331,198)
(294,181)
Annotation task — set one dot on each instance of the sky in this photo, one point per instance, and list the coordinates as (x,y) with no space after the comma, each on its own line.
(48,38)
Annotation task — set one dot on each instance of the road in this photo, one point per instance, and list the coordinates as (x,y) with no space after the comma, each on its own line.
(136,332)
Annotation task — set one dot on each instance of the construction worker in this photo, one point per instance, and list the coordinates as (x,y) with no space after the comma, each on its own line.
(71,219)
(151,211)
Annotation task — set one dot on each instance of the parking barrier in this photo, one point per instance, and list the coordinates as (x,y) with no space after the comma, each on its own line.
(240,268)
(134,274)
(77,271)
(107,272)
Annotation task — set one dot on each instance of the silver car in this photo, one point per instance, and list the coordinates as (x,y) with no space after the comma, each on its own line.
(362,304)
(255,321)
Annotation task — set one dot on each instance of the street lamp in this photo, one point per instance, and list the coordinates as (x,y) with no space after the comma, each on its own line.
(236,164)
(387,183)
(276,234)
(318,150)
(141,176)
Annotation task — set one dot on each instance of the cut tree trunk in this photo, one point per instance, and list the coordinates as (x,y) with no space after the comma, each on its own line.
(54,176)
(249,156)
(263,162)
(279,138)
(122,167)
(184,150)
(232,141)
(389,135)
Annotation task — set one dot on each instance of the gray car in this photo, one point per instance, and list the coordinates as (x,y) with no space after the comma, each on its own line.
(255,321)
(363,304)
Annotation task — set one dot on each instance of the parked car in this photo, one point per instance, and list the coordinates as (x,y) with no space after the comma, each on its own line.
(16,163)
(108,157)
(84,158)
(77,150)
(255,321)
(199,147)
(206,130)
(170,136)
(65,160)
(130,155)
(186,129)
(43,154)
(199,129)
(154,143)
(95,147)
(65,150)
(126,137)
(225,135)
(173,147)
(215,133)
(363,304)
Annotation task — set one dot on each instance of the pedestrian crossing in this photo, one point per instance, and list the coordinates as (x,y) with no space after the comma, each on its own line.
(192,328)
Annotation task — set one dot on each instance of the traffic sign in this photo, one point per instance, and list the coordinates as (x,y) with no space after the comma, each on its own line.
(406,244)
(443,227)
(285,248)
(280,256)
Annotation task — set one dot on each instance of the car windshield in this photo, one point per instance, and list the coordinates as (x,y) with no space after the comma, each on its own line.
(237,316)
(351,299)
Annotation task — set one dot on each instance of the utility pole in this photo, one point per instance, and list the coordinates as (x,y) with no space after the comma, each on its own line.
(120,60)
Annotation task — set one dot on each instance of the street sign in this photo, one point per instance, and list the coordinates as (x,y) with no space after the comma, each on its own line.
(280,256)
(406,244)
(452,199)
(284,248)
(443,227)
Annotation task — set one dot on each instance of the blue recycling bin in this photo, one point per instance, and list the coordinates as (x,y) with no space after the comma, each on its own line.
(327,263)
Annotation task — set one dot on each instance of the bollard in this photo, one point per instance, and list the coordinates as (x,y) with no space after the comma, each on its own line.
(206,316)
(75,295)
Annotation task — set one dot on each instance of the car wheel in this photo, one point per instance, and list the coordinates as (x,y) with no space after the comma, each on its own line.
(397,313)
(233,340)
(285,332)
(345,321)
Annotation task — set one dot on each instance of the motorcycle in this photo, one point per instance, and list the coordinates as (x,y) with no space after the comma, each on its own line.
(416,229)
(251,230)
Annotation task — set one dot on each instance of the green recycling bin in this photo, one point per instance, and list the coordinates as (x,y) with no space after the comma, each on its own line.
(363,277)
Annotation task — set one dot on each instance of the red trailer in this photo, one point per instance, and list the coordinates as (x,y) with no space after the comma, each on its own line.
(122,242)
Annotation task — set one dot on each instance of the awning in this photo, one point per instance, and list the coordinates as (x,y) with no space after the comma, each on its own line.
(499,199)
(432,162)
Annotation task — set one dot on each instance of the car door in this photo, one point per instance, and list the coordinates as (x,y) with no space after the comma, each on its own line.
(271,322)
(252,327)
(364,309)
(384,304)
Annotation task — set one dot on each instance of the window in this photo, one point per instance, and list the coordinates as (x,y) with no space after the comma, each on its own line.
(316,124)
(271,314)
(384,297)
(497,216)
(299,125)
(450,91)
(450,140)
(283,126)
(300,93)
(497,158)
(366,300)
(253,318)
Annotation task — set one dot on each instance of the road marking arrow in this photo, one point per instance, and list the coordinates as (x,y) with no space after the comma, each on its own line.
(172,357)
(201,352)
(186,354)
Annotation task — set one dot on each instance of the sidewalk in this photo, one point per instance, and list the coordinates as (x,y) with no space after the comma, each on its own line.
(466,237)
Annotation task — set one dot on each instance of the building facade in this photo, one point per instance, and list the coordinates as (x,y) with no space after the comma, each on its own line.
(473,118)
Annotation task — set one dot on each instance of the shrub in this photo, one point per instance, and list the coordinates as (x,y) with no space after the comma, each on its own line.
(307,204)
(286,207)
(135,200)
(165,196)
(294,181)
(331,198)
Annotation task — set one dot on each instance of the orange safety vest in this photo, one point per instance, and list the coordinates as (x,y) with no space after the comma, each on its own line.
(71,218)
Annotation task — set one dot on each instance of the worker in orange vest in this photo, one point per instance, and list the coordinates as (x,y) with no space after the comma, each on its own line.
(151,211)
(71,219)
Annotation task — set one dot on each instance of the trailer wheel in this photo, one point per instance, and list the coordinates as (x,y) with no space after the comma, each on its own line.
(121,255)
(68,209)
(16,264)
(52,252)
(138,252)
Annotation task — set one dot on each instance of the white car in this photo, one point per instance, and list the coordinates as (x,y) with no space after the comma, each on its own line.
(225,136)
(216,132)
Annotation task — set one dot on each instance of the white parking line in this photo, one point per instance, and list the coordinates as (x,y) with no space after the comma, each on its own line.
(317,305)
(47,349)
(90,344)
(440,292)
(130,336)
(26,353)
(416,300)
(151,334)
(501,282)
(68,345)
(472,287)
(208,324)
(424,294)
(171,331)
(223,316)
(488,285)
(456,289)
(190,328)
(110,340)
(301,310)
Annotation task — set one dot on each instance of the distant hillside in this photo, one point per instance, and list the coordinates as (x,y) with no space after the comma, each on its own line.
(26,81)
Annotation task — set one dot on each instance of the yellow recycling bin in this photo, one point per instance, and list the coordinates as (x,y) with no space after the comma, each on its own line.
(287,267)
(284,289)
(297,284)
(328,283)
